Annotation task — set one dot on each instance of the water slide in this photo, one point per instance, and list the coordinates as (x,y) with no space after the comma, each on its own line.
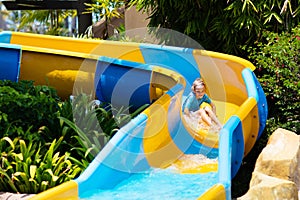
(155,155)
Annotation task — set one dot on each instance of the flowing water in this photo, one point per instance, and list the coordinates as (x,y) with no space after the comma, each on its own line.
(162,183)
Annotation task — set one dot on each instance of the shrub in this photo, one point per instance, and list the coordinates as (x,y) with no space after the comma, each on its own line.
(27,107)
(53,140)
(277,61)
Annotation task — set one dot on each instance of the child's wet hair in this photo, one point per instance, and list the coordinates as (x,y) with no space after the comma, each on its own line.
(198,82)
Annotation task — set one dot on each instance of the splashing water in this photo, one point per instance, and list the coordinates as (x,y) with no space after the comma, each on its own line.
(161,183)
(197,125)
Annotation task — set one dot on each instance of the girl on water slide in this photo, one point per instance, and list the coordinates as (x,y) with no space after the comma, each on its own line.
(198,103)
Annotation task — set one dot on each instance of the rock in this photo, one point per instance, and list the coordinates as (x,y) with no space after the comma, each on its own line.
(277,169)
(281,157)
(269,188)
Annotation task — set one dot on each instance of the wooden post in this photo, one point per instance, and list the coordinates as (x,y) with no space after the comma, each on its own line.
(84,19)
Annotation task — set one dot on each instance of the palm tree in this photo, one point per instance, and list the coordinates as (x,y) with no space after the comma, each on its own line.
(45,21)
(106,10)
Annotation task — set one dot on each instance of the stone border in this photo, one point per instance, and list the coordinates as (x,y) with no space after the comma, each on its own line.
(14,196)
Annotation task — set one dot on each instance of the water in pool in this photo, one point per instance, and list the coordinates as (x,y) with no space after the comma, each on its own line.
(158,184)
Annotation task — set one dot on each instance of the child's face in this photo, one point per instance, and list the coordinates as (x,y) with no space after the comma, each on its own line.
(199,92)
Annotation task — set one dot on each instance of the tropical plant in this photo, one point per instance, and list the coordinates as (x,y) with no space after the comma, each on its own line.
(94,124)
(277,62)
(53,141)
(32,167)
(51,22)
(27,107)
(106,10)
(223,26)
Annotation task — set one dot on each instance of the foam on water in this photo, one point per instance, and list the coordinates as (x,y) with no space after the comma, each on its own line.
(196,124)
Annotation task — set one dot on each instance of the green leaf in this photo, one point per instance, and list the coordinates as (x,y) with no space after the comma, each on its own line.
(18,155)
(7,139)
(23,148)
(49,154)
(44,185)
(23,179)
(32,171)
(54,177)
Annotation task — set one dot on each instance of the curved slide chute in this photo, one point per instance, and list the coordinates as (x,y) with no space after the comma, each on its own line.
(137,74)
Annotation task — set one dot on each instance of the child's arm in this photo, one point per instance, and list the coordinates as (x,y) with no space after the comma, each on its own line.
(186,111)
(213,107)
